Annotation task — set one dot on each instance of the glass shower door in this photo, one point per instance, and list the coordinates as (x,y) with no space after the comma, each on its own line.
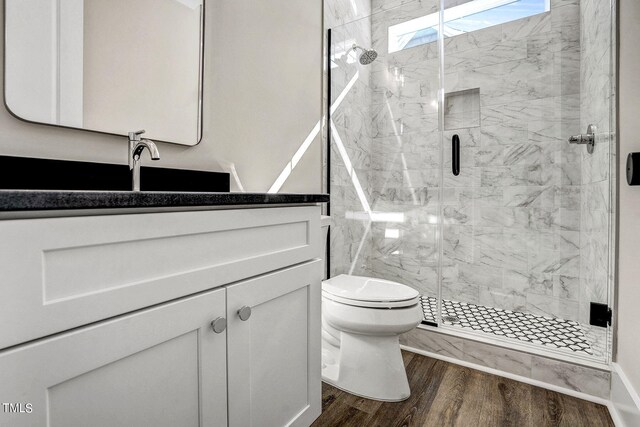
(385,152)
(525,223)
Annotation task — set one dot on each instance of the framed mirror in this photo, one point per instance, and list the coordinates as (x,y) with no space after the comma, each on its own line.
(110,66)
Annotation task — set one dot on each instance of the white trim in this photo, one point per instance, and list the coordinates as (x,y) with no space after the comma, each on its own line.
(620,385)
(627,384)
(615,416)
(518,346)
(537,383)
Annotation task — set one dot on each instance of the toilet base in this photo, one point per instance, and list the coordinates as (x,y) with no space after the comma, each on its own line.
(366,366)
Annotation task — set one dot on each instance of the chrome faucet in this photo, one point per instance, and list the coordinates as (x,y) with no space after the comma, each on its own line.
(137,144)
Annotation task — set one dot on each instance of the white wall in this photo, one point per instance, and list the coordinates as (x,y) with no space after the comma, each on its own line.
(70,27)
(628,317)
(267,83)
(262,97)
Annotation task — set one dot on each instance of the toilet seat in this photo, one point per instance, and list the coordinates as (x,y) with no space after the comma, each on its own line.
(371,304)
(369,292)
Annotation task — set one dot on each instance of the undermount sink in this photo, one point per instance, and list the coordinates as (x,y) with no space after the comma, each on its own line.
(24,173)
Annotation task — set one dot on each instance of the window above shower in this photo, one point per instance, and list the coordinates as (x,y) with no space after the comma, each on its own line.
(466,17)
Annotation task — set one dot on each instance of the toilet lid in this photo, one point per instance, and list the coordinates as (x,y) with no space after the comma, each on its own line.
(368,289)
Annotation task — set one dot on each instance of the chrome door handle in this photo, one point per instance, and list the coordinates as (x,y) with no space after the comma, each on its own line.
(244,313)
(588,139)
(219,325)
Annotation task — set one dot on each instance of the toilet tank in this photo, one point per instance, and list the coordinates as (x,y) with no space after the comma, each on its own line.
(325,222)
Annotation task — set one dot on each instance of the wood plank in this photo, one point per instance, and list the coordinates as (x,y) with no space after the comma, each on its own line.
(337,412)
(425,375)
(511,398)
(577,411)
(550,406)
(362,404)
(476,395)
(329,396)
(445,394)
(452,392)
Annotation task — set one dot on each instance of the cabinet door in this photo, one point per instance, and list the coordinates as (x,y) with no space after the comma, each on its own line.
(274,355)
(163,366)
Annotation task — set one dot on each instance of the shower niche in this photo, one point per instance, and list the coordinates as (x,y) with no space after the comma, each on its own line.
(462,109)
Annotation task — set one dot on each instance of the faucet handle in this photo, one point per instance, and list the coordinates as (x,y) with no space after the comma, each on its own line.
(135,136)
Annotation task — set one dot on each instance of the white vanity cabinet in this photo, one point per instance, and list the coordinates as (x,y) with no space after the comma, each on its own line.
(162,364)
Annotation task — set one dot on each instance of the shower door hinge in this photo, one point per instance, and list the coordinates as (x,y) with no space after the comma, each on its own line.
(600,315)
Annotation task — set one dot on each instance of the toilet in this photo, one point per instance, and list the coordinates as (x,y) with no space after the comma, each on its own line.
(362,318)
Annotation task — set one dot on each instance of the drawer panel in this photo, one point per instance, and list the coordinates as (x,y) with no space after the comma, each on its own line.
(81,270)
(60,273)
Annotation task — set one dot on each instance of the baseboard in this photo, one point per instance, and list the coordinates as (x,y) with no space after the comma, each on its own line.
(523,347)
(625,402)
(563,375)
(526,380)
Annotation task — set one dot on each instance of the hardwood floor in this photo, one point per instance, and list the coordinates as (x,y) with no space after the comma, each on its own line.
(444,394)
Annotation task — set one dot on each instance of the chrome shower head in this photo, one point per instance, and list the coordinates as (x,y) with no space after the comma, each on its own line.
(367,56)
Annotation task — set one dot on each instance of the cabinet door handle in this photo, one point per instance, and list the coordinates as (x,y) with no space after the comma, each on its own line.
(219,325)
(244,313)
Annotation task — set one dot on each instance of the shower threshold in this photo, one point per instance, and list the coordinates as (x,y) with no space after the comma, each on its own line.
(553,333)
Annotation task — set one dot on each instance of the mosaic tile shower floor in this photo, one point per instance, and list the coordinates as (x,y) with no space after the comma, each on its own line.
(551,332)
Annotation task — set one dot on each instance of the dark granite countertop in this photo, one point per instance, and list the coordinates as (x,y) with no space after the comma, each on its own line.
(36,200)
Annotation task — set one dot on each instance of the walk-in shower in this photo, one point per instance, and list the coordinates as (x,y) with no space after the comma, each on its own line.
(516,247)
